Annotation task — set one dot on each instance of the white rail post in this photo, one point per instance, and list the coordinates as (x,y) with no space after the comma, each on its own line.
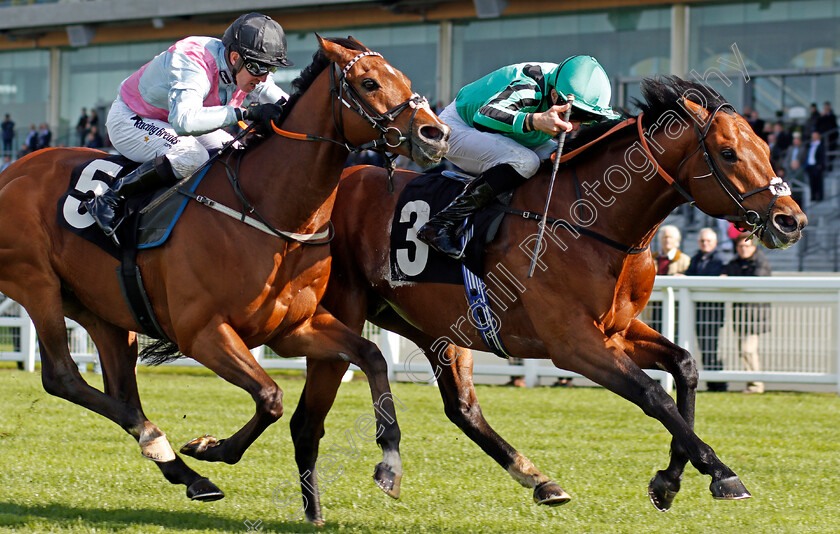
(837,335)
(669,317)
(27,341)
(530,372)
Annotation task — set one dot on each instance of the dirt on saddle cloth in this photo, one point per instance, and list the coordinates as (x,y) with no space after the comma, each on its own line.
(412,260)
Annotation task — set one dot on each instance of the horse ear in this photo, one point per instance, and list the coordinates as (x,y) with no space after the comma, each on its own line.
(350,37)
(334,52)
(699,112)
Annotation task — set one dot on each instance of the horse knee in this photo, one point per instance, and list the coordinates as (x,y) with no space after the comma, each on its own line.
(57,384)
(462,412)
(270,401)
(686,369)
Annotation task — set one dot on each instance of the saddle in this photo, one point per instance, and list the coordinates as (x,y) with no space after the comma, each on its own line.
(412,260)
(137,231)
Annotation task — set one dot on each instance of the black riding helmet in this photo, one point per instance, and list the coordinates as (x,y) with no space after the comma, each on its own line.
(258,38)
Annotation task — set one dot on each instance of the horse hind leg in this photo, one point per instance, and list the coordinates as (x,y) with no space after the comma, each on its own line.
(118,356)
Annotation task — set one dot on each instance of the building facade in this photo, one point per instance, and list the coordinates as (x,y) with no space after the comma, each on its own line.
(58,56)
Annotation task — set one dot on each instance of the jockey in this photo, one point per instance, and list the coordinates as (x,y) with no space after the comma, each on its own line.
(171,112)
(502,127)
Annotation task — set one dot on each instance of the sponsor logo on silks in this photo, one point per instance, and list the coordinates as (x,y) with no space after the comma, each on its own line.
(156,131)
(225,76)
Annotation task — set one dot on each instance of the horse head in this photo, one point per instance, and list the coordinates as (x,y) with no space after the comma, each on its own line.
(725,168)
(377,101)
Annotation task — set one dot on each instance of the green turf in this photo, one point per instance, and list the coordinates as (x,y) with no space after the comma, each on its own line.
(65,469)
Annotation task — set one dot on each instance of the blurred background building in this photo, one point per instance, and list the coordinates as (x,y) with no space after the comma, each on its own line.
(776,57)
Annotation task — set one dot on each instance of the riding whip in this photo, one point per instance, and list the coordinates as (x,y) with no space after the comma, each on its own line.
(174,189)
(561,140)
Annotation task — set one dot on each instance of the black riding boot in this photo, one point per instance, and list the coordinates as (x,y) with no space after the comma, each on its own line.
(107,208)
(442,231)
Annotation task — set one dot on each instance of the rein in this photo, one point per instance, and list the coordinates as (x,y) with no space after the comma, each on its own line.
(777,186)
(346,94)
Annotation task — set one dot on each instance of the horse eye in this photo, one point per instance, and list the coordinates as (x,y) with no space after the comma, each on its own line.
(370,84)
(729,155)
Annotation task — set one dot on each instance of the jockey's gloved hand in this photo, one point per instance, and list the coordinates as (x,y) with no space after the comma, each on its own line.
(263,114)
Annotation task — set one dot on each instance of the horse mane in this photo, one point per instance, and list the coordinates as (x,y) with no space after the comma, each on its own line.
(306,78)
(661,95)
(319,62)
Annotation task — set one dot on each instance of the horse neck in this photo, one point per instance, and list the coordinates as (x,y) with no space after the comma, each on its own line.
(632,214)
(296,180)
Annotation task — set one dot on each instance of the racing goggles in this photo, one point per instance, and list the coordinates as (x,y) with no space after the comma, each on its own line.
(255,68)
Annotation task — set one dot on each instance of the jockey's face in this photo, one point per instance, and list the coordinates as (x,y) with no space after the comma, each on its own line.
(245,81)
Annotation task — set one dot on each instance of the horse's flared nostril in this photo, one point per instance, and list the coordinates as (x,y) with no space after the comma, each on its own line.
(787,223)
(433,133)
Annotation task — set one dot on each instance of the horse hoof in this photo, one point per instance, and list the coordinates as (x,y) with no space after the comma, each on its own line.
(550,494)
(662,493)
(204,490)
(729,489)
(387,480)
(198,446)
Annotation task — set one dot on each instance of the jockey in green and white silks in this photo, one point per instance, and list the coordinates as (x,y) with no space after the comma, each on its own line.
(503,125)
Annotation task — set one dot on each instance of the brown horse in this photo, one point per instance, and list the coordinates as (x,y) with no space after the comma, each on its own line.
(595,275)
(220,287)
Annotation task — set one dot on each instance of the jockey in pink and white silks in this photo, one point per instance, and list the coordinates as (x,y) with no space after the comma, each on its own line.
(171,111)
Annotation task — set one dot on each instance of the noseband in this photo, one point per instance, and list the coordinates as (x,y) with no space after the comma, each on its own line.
(753,220)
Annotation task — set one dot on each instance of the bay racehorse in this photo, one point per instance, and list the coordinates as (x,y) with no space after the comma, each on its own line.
(220,287)
(595,274)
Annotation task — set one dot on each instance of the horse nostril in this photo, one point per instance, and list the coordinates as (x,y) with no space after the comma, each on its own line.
(786,223)
(432,133)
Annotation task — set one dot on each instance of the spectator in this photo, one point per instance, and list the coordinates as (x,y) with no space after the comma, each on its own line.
(93,119)
(31,144)
(757,124)
(82,127)
(7,160)
(8,129)
(813,118)
(749,319)
(776,153)
(94,140)
(669,259)
(783,138)
(795,175)
(708,261)
(815,161)
(44,136)
(794,152)
(827,126)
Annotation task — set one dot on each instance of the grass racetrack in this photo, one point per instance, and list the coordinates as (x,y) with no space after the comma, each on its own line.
(65,469)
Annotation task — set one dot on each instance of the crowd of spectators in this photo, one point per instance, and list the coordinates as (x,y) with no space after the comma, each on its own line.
(87,134)
(800,153)
(748,319)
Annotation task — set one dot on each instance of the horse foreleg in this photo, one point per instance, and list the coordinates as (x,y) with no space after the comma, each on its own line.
(118,356)
(453,370)
(220,349)
(323,379)
(651,350)
(323,337)
(605,362)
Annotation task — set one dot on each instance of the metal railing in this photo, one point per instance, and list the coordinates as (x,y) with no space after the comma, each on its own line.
(796,324)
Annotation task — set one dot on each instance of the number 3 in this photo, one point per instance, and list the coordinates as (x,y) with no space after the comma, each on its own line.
(421,250)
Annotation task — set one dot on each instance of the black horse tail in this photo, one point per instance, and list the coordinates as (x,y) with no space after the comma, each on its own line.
(160,351)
